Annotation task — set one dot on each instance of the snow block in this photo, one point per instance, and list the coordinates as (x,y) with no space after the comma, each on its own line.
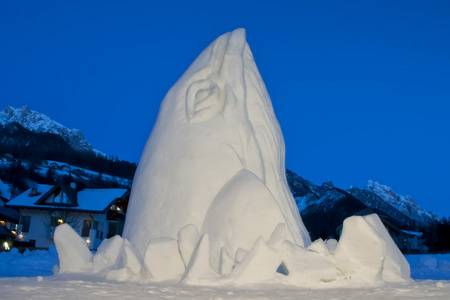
(73,253)
(361,251)
(259,265)
(331,245)
(130,258)
(226,262)
(320,247)
(163,260)
(240,255)
(395,267)
(278,237)
(235,217)
(199,270)
(108,253)
(305,267)
(128,267)
(188,238)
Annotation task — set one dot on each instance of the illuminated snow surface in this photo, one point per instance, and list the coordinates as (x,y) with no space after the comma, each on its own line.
(37,283)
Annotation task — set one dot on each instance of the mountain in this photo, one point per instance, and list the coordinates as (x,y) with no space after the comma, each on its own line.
(40,123)
(323,208)
(23,143)
(31,136)
(384,198)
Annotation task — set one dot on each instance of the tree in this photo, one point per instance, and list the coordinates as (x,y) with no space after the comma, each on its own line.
(57,218)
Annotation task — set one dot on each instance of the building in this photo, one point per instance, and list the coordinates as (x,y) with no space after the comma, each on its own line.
(9,218)
(95,214)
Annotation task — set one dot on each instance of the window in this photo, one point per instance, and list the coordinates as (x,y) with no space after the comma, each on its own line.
(55,221)
(25,221)
(112,229)
(86,228)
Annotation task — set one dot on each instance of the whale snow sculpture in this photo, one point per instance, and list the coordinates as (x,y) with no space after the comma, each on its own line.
(215,158)
(210,202)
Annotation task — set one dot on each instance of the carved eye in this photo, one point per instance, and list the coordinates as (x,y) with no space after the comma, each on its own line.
(204,101)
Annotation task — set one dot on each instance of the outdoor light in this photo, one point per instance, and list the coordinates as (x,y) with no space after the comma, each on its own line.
(6,246)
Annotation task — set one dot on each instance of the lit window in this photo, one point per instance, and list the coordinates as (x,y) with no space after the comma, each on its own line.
(87,224)
(55,221)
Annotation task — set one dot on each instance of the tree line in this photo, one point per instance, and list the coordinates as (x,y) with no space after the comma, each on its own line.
(438,236)
(37,147)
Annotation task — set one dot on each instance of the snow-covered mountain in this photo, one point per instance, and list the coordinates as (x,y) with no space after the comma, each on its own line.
(404,204)
(40,123)
(324,207)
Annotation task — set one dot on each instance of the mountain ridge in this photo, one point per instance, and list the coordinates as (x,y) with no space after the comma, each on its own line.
(41,123)
(324,207)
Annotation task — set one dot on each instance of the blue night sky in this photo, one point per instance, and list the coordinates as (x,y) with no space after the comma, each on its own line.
(361,88)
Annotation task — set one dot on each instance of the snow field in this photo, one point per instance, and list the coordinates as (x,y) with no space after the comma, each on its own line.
(29,275)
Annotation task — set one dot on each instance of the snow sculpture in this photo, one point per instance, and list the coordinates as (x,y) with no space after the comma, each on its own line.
(210,203)
(215,159)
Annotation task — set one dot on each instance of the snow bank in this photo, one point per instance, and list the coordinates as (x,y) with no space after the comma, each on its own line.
(30,263)
(430,266)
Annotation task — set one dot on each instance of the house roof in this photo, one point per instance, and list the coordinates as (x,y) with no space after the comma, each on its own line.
(5,200)
(414,233)
(4,232)
(88,200)
(9,214)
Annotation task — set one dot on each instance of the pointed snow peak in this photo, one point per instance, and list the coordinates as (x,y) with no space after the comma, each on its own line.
(25,109)
(328,184)
(405,204)
(380,189)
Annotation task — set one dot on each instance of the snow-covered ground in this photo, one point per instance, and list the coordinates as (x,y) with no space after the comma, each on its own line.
(30,276)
